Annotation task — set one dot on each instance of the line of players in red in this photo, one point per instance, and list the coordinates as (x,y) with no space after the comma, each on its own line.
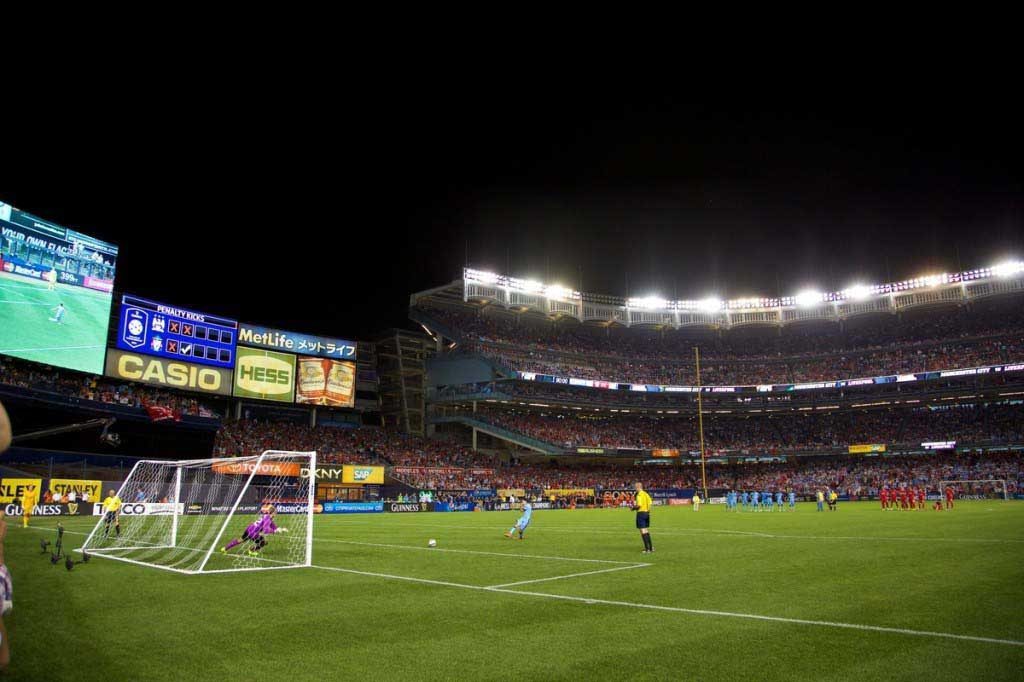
(912,498)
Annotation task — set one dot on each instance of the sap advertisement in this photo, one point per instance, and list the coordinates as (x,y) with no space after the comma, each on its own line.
(57,288)
(176,333)
(264,374)
(292,342)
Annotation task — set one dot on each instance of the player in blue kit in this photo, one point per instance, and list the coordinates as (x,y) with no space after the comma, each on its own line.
(523,521)
(778,500)
(746,499)
(755,500)
(766,500)
(58,314)
(792,500)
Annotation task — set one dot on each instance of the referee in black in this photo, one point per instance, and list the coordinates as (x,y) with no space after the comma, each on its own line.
(643,516)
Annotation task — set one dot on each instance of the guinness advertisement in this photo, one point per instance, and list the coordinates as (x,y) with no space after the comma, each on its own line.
(73,509)
(406,507)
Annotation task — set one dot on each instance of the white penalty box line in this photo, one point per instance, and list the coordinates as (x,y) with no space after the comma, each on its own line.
(504,589)
(480,552)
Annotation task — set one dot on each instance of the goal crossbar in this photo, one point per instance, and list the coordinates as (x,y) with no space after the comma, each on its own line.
(973,481)
(200,502)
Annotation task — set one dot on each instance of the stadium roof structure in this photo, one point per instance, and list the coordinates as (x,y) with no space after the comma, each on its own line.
(556,301)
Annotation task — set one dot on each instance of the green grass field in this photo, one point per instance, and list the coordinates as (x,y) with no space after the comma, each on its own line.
(26,307)
(855,594)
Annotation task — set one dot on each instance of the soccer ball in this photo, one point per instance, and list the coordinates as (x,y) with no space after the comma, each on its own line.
(431,542)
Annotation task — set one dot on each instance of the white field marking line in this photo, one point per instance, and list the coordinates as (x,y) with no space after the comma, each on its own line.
(473,551)
(8,302)
(677,609)
(656,607)
(705,531)
(571,575)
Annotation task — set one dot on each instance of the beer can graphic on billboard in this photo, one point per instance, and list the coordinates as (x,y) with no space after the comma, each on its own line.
(326,382)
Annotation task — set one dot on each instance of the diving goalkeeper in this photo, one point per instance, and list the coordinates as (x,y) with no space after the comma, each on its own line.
(255,531)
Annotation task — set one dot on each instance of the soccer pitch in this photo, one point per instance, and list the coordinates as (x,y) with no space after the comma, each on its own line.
(852,594)
(27,331)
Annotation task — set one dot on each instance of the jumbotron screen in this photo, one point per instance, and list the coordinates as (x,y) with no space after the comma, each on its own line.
(56,286)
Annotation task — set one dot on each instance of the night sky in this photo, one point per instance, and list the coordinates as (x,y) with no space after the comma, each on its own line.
(311,216)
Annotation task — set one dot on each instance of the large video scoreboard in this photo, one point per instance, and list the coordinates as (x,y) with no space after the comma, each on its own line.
(57,285)
(176,333)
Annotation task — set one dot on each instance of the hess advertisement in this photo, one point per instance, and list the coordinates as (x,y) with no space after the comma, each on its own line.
(151,370)
(326,382)
(264,374)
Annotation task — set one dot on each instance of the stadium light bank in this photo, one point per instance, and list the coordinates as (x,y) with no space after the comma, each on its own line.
(806,298)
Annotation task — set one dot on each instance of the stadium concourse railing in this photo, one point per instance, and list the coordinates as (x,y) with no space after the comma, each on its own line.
(500,432)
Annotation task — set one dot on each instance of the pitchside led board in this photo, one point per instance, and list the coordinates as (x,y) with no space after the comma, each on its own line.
(57,286)
(264,374)
(176,333)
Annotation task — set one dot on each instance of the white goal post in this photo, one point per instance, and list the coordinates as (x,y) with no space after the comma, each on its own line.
(973,484)
(194,516)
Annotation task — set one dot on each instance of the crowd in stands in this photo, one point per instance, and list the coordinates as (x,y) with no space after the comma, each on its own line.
(970,423)
(365,445)
(914,359)
(925,342)
(858,476)
(862,476)
(98,389)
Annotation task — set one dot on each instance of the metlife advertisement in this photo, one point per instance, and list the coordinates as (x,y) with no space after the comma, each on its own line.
(294,342)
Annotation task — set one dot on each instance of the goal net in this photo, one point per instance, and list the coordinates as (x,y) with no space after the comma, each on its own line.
(194,516)
(992,488)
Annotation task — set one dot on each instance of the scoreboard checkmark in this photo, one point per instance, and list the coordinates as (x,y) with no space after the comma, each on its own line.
(186,349)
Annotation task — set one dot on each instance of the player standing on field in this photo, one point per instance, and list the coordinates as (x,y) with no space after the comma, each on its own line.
(643,516)
(949,497)
(29,500)
(112,513)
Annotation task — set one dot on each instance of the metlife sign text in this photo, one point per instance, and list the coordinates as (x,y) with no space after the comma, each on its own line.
(305,344)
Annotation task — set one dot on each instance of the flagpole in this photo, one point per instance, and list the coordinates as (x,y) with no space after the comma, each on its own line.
(700,423)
